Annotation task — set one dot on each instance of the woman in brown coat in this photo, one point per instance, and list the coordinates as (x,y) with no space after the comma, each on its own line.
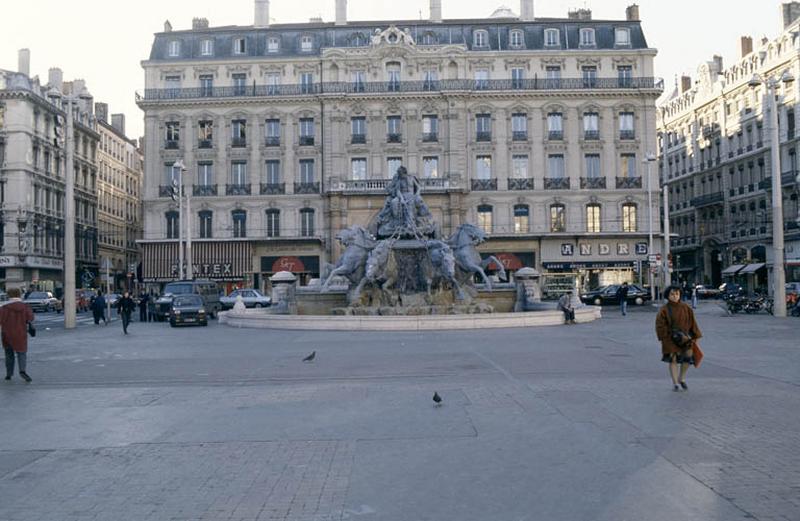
(677,315)
(14,318)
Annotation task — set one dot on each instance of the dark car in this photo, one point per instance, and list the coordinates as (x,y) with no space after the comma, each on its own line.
(206,289)
(730,289)
(188,309)
(41,301)
(706,291)
(608,295)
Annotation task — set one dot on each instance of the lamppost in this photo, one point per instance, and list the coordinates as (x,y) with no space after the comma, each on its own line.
(649,158)
(778,273)
(179,165)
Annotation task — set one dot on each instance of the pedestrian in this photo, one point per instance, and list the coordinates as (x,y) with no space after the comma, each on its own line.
(151,307)
(14,319)
(143,307)
(565,305)
(694,296)
(99,308)
(676,328)
(125,306)
(622,296)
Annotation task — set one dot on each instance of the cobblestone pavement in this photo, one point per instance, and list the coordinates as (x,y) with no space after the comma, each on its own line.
(561,423)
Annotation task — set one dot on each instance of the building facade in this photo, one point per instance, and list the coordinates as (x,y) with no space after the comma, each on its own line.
(119,209)
(534,129)
(32,184)
(715,160)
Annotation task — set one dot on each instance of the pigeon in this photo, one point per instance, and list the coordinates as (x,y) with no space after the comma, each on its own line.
(310,358)
(437,399)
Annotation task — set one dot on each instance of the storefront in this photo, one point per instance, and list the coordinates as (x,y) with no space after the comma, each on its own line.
(511,261)
(304,267)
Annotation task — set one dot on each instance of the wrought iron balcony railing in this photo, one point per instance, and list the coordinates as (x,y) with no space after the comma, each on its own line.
(306,188)
(165,191)
(591,135)
(172,144)
(627,134)
(593,183)
(629,183)
(520,184)
(483,136)
(234,189)
(519,135)
(394,137)
(205,143)
(555,135)
(238,142)
(306,141)
(204,190)
(556,183)
(272,141)
(273,188)
(484,185)
(358,139)
(708,199)
(430,137)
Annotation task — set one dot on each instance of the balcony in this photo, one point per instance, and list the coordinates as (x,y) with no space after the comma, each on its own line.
(593,183)
(238,142)
(430,137)
(171,144)
(629,183)
(484,185)
(165,191)
(306,188)
(627,134)
(306,141)
(205,143)
(787,179)
(591,135)
(555,135)
(519,135)
(378,186)
(272,141)
(483,136)
(708,199)
(520,184)
(272,188)
(303,90)
(394,137)
(358,139)
(237,189)
(556,183)
(204,190)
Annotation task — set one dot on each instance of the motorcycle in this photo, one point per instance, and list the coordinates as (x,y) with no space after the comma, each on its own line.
(758,303)
(735,303)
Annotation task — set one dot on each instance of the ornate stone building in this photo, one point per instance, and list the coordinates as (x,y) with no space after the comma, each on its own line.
(536,129)
(32,169)
(119,208)
(715,159)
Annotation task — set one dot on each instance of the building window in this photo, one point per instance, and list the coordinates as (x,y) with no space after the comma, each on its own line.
(173,225)
(591,125)
(521,218)
(392,164)
(555,166)
(239,46)
(519,126)
(359,129)
(626,125)
(587,37)
(483,127)
(622,36)
(625,75)
(593,165)
(431,79)
(359,80)
(555,126)
(358,169)
(239,218)
(430,128)
(430,167)
(174,49)
(272,132)
(205,134)
(485,218)
(306,43)
(517,77)
(429,39)
(519,166)
(558,218)
(627,165)
(307,82)
(239,173)
(629,222)
(206,217)
(239,133)
(207,48)
(482,79)
(273,81)
(589,73)
(393,129)
(273,44)
(553,77)
(206,85)
(205,173)
(393,75)
(551,38)
(307,222)
(483,167)
(307,131)
(593,218)
(480,39)
(517,39)
(173,134)
(273,222)
(306,171)
(272,172)
(239,84)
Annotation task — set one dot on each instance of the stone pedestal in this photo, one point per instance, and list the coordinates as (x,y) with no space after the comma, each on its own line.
(529,291)
(284,299)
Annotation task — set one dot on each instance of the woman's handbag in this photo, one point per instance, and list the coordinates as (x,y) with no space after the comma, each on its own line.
(31,330)
(679,337)
(697,354)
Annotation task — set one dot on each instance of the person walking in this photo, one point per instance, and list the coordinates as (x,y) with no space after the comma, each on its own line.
(693,289)
(677,329)
(99,308)
(125,306)
(622,296)
(565,305)
(143,298)
(151,307)
(14,319)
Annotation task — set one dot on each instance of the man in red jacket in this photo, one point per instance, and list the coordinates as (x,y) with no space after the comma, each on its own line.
(14,318)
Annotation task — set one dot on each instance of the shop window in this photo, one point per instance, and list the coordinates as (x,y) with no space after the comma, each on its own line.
(593,218)
(558,218)
(521,218)
(629,218)
(485,218)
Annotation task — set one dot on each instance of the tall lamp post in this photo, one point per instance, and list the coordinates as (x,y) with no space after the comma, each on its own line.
(778,273)
(181,167)
(649,158)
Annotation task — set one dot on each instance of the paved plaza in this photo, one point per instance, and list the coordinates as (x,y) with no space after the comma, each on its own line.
(565,423)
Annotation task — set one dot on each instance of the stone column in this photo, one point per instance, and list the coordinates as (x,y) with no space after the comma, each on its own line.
(284,298)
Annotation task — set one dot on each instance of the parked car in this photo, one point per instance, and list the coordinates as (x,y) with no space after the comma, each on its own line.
(188,309)
(41,301)
(252,298)
(205,288)
(728,289)
(608,295)
(791,288)
(704,291)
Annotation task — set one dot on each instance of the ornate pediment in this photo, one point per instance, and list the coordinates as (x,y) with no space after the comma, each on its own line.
(173,72)
(237,69)
(206,71)
(588,62)
(552,62)
(392,37)
(272,69)
(518,63)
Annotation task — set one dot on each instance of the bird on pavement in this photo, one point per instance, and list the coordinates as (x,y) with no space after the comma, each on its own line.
(437,399)
(310,358)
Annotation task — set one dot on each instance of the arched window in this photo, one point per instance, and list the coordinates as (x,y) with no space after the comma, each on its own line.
(629,218)
(307,222)
(429,39)
(587,37)
(558,218)
(239,218)
(206,217)
(516,39)
(592,218)
(521,218)
(358,40)
(172,224)
(273,216)
(480,38)
(485,217)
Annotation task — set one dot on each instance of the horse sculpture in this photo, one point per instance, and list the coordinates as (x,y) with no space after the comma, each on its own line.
(467,259)
(358,243)
(380,267)
(443,267)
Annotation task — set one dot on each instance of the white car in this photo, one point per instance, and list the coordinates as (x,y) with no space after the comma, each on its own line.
(252,298)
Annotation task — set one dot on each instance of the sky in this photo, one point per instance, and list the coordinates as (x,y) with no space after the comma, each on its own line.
(104,41)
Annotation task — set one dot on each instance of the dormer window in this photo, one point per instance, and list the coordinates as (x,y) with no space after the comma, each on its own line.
(552,38)
(239,46)
(622,36)
(481,39)
(587,38)
(174,49)
(306,44)
(517,39)
(273,44)
(207,48)
(429,39)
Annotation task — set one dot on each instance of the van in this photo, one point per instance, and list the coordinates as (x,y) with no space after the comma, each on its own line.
(206,289)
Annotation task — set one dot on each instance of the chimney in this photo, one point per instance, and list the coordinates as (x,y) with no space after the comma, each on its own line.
(101,109)
(56,78)
(718,64)
(436,11)
(526,10)
(746,46)
(580,14)
(118,122)
(262,13)
(632,13)
(790,12)
(686,84)
(199,24)
(341,12)
(167,27)
(24,62)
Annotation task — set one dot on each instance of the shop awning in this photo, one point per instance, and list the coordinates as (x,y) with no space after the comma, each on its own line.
(227,261)
(732,270)
(752,268)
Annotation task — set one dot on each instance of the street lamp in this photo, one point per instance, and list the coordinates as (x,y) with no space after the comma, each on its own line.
(649,158)
(778,273)
(189,275)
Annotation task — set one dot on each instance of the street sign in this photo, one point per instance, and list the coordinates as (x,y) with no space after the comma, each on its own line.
(652,258)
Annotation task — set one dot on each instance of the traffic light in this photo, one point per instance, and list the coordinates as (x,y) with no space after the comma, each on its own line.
(58,130)
(173,191)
